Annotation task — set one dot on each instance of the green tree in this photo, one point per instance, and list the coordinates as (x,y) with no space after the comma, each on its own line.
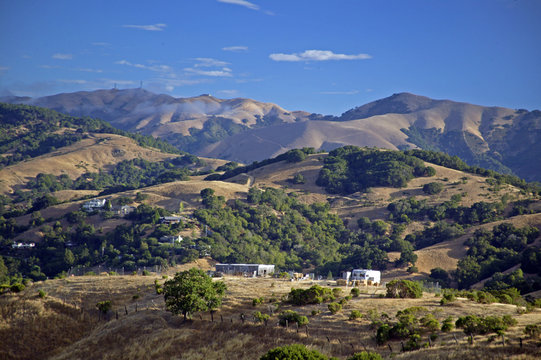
(293,352)
(191,291)
(433,188)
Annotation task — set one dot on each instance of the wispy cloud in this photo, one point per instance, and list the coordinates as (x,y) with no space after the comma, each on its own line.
(155,27)
(49,66)
(103,44)
(4,68)
(74,81)
(244,3)
(59,56)
(209,62)
(89,70)
(317,55)
(235,48)
(157,68)
(230,93)
(224,72)
(351,92)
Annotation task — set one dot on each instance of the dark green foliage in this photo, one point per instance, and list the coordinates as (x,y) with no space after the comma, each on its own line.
(104,306)
(383,334)
(259,317)
(350,169)
(365,355)
(258,301)
(42,294)
(298,179)
(493,251)
(313,295)
(17,287)
(404,289)
(355,292)
(334,307)
(447,325)
(295,155)
(440,275)
(228,166)
(191,291)
(474,325)
(293,352)
(533,331)
(430,322)
(355,314)
(433,188)
(292,317)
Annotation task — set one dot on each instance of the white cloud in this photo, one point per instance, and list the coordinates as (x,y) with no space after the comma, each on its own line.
(104,44)
(74,81)
(209,62)
(224,72)
(59,56)
(244,3)
(229,92)
(89,70)
(157,68)
(235,48)
(351,92)
(49,66)
(317,55)
(4,68)
(155,27)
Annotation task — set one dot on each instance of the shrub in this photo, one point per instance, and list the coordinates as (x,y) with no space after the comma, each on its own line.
(533,330)
(292,317)
(472,324)
(42,294)
(313,295)
(447,325)
(447,298)
(259,317)
(365,355)
(355,314)
(257,301)
(404,289)
(355,292)
(104,306)
(334,307)
(17,287)
(146,272)
(430,322)
(293,352)
(383,334)
(433,188)
(413,343)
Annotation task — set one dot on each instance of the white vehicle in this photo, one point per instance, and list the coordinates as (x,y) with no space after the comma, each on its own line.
(369,275)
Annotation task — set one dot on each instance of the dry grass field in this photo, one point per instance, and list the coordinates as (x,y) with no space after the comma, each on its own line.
(66,324)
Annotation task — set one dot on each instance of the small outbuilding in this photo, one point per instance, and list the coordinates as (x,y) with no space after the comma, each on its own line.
(245,269)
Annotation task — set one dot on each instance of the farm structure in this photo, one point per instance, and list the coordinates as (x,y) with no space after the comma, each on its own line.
(246,269)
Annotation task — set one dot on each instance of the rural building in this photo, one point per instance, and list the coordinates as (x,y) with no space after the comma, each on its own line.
(170,219)
(94,204)
(171,239)
(125,210)
(20,245)
(246,269)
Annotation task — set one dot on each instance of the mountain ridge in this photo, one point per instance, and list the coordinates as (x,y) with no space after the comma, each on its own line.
(246,130)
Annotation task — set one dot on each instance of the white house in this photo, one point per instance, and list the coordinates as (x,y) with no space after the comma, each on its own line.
(369,275)
(94,204)
(251,269)
(171,239)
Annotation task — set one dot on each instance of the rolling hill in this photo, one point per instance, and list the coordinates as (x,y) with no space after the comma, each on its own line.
(245,130)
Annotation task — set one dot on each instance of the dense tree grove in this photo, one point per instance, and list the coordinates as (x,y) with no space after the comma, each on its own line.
(350,169)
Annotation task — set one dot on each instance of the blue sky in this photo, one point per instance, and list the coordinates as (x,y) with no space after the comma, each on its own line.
(316,55)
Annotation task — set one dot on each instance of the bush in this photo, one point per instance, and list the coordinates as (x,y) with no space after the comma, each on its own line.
(104,306)
(42,294)
(334,307)
(383,334)
(404,289)
(533,330)
(447,325)
(355,314)
(473,325)
(257,301)
(313,295)
(292,317)
(430,322)
(293,352)
(355,292)
(365,355)
(17,287)
(447,298)
(259,317)
(433,188)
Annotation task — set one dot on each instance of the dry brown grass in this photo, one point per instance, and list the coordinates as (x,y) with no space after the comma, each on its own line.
(57,328)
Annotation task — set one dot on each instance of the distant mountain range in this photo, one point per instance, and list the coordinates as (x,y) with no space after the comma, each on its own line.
(246,130)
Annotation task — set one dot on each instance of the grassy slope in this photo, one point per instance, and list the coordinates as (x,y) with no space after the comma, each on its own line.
(65,325)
